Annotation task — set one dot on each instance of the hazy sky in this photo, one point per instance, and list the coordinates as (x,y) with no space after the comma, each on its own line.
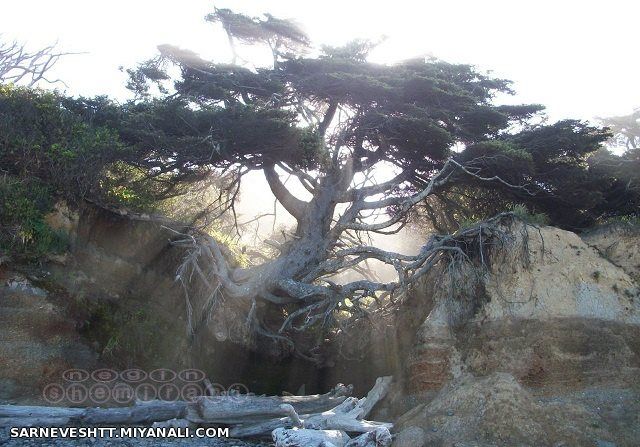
(577,57)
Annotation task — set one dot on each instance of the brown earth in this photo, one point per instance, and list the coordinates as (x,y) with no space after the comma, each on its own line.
(552,343)
(37,340)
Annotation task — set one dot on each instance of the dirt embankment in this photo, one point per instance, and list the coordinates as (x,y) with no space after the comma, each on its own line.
(550,355)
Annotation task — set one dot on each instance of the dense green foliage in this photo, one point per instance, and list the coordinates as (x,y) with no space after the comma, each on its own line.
(577,182)
(551,162)
(53,147)
(42,137)
(46,152)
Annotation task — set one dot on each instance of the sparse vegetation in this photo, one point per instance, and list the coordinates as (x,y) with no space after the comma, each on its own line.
(125,333)
(521,212)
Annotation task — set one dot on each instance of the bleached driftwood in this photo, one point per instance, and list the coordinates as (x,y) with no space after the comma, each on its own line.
(172,423)
(338,418)
(347,416)
(309,438)
(247,408)
(222,409)
(377,393)
(380,437)
(325,419)
(140,413)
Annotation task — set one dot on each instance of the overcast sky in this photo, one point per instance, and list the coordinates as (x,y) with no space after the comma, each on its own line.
(578,58)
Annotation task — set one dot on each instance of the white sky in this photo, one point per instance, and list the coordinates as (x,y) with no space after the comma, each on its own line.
(579,58)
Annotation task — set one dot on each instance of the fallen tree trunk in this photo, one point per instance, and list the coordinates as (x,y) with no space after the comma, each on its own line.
(380,437)
(244,408)
(222,409)
(140,413)
(309,438)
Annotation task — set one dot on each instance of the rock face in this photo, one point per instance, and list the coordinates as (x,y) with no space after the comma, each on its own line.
(564,314)
(564,319)
(620,244)
(37,340)
(497,410)
(116,255)
(565,278)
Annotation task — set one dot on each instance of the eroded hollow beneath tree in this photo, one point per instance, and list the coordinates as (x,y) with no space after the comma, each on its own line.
(120,280)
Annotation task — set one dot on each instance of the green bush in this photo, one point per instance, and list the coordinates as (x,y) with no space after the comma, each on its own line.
(55,147)
(90,148)
(43,136)
(23,230)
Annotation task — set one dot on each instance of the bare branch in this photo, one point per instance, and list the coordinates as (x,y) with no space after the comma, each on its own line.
(19,66)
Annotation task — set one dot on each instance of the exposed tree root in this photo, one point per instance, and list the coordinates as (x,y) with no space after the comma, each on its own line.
(240,299)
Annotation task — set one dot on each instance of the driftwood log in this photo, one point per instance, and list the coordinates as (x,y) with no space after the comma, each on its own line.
(242,408)
(224,410)
(309,438)
(348,416)
(140,414)
(380,437)
(292,421)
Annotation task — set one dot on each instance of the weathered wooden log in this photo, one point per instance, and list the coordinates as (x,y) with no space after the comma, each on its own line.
(316,421)
(326,417)
(347,416)
(345,423)
(377,393)
(34,422)
(27,411)
(221,409)
(140,413)
(303,437)
(293,416)
(247,408)
(259,429)
(380,437)
(172,423)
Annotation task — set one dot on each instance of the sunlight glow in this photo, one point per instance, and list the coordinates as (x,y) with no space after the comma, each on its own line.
(571,56)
